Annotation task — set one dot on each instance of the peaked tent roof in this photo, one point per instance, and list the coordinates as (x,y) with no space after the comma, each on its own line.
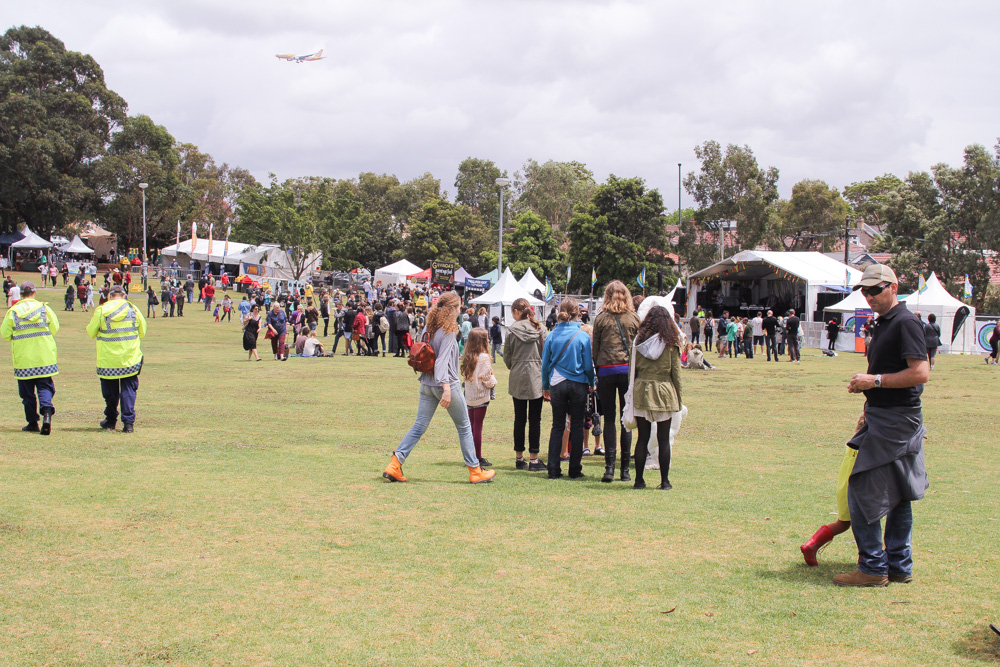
(10,237)
(507,291)
(460,276)
(403,267)
(31,241)
(934,295)
(77,246)
(200,251)
(850,304)
(814,268)
(530,283)
(492,276)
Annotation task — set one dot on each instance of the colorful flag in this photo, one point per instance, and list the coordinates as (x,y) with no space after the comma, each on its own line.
(593,277)
(642,278)
(225,250)
(569,271)
(211,227)
(549,292)
(194,236)
(921,285)
(178,231)
(967,292)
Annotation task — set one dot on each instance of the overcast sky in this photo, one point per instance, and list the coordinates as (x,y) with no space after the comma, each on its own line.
(838,91)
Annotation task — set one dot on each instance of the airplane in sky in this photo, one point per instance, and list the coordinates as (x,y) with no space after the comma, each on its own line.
(292,58)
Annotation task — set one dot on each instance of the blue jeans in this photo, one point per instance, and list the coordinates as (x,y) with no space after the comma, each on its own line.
(26,390)
(897,557)
(120,391)
(494,348)
(430,397)
(568,398)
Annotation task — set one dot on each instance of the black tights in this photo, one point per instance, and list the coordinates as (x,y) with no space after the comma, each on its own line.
(642,449)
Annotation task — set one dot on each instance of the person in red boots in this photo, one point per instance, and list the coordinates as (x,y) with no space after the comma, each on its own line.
(822,537)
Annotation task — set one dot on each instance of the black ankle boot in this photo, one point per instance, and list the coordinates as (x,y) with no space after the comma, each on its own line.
(609,473)
(626,452)
(46,422)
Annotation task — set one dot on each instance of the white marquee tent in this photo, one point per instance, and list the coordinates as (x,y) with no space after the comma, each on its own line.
(31,241)
(783,273)
(850,304)
(77,247)
(395,273)
(506,292)
(530,283)
(936,299)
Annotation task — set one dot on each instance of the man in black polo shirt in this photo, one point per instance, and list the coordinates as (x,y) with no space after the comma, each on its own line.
(889,471)
(792,337)
(770,326)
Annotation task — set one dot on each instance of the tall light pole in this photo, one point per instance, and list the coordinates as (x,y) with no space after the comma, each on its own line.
(502,182)
(143,186)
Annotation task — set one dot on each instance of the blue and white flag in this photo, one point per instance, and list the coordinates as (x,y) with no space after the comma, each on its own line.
(569,272)
(921,285)
(642,278)
(549,292)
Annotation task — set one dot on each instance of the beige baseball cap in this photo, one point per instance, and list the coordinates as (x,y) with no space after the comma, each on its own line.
(876,274)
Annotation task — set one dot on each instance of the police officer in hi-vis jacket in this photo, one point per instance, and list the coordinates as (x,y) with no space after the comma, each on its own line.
(30,327)
(117,327)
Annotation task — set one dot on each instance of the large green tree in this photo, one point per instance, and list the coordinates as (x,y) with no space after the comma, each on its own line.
(450,232)
(732,186)
(813,219)
(620,231)
(869,199)
(532,244)
(56,116)
(475,187)
(555,189)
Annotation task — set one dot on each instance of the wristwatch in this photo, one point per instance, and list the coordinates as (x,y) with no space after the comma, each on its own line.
(878,381)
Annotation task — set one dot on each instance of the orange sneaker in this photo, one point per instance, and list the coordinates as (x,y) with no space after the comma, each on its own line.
(477,475)
(394,471)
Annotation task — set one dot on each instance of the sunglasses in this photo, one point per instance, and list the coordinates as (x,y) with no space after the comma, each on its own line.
(874,291)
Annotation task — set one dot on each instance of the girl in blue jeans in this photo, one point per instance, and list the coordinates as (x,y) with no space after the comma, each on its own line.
(441,387)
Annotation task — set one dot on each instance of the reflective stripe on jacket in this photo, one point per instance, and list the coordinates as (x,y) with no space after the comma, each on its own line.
(117,327)
(29,326)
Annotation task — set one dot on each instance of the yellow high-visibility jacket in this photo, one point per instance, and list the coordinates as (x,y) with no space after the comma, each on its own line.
(117,327)
(29,325)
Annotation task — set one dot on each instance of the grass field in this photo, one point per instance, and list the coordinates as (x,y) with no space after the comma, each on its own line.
(245,522)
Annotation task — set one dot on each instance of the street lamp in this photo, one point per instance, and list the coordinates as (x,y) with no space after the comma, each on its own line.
(143,186)
(502,182)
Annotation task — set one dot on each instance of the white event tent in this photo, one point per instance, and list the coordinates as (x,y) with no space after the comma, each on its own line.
(77,247)
(31,241)
(506,292)
(394,273)
(780,273)
(852,303)
(530,283)
(936,299)
(199,252)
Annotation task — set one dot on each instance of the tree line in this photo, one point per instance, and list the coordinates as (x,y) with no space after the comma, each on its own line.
(69,151)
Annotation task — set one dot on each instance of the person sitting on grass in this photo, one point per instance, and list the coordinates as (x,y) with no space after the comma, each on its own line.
(311,345)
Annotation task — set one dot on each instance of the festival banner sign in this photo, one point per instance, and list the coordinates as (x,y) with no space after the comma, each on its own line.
(477,285)
(861,316)
(258,270)
(442,272)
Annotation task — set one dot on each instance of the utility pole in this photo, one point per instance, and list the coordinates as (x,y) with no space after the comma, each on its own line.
(847,238)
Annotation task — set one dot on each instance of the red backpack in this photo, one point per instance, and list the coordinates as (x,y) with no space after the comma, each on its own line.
(422,356)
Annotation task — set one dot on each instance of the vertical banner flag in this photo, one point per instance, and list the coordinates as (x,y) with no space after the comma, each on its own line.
(211,227)
(569,271)
(549,292)
(921,285)
(967,292)
(225,250)
(642,278)
(194,235)
(593,277)
(178,232)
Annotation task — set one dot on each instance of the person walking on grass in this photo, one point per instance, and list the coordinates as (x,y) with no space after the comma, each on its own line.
(117,326)
(277,325)
(614,330)
(657,389)
(567,379)
(477,374)
(30,326)
(441,387)
(251,332)
(523,357)
(889,471)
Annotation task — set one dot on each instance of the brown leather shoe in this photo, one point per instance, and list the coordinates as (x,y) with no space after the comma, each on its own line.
(394,471)
(900,578)
(860,579)
(477,475)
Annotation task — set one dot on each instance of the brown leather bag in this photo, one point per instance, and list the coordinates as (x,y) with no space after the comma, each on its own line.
(422,356)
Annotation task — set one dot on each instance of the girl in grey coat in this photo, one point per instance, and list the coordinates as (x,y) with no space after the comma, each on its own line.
(523,356)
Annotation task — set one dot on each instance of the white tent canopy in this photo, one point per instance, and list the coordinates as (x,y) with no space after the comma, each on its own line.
(31,241)
(850,304)
(77,246)
(771,272)
(506,292)
(395,273)
(530,283)
(936,299)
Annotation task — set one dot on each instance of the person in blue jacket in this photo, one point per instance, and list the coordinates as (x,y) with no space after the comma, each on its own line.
(567,379)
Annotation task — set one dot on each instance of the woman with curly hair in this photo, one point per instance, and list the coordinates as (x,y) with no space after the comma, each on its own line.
(657,389)
(441,387)
(614,329)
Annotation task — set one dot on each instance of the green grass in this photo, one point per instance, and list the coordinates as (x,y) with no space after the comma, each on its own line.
(246,523)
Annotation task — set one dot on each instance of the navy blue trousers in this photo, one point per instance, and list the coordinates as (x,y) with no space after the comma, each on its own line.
(120,391)
(45,387)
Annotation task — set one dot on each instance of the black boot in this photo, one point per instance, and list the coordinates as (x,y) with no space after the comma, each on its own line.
(609,463)
(47,420)
(664,453)
(626,452)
